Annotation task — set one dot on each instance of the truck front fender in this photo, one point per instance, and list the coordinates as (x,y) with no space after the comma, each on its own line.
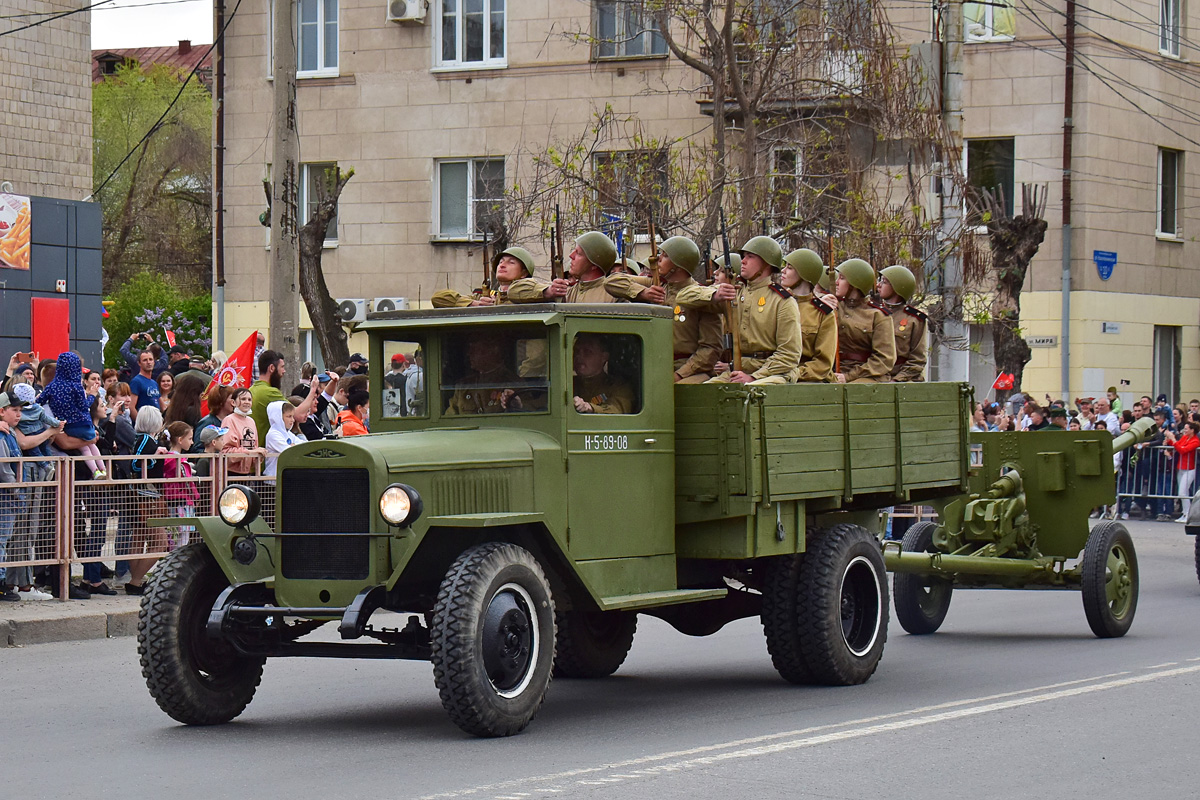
(219,538)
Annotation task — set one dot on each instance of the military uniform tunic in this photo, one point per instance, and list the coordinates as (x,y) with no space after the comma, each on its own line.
(866,342)
(530,290)
(819,337)
(608,395)
(768,322)
(448,298)
(909,326)
(696,332)
(482,399)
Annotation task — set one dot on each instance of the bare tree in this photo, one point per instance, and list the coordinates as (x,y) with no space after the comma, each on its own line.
(322,309)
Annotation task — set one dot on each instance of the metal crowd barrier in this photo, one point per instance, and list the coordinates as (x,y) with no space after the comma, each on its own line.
(1149,479)
(61,516)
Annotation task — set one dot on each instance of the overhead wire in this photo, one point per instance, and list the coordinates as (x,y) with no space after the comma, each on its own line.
(54,17)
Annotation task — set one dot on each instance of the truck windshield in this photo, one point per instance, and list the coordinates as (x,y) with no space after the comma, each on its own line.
(490,370)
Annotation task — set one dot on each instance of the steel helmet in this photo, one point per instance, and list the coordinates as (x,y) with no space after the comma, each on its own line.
(765,248)
(682,251)
(901,279)
(824,282)
(858,274)
(735,258)
(599,249)
(520,254)
(807,264)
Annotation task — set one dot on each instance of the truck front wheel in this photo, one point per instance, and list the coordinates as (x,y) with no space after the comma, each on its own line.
(842,605)
(592,644)
(195,679)
(492,639)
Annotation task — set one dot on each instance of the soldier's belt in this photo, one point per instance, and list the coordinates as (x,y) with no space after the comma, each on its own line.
(684,356)
(857,356)
(761,355)
(900,362)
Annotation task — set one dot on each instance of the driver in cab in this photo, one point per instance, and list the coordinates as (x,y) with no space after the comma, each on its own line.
(597,392)
(483,389)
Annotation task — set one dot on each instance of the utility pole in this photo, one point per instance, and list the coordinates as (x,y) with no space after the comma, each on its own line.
(953,355)
(1068,129)
(285,304)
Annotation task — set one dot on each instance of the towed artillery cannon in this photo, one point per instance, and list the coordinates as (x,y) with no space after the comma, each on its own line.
(1025,518)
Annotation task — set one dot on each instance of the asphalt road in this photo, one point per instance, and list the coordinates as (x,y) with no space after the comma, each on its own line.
(1013,697)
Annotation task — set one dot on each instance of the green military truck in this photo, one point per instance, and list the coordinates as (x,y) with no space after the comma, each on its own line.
(533,488)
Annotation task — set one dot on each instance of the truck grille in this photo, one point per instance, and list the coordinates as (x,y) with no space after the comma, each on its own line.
(317,501)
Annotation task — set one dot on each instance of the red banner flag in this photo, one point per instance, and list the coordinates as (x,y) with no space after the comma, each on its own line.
(170,337)
(236,370)
(1004,381)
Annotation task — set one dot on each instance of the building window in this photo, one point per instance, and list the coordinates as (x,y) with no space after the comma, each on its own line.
(470,198)
(1166,361)
(471,33)
(1169,26)
(990,22)
(317,44)
(785,185)
(623,30)
(1169,164)
(990,165)
(630,185)
(310,177)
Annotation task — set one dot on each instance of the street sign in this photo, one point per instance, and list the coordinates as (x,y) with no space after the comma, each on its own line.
(1105,260)
(1110,327)
(1041,341)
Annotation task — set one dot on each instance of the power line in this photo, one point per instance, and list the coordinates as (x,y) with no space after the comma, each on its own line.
(56,16)
(109,8)
(154,128)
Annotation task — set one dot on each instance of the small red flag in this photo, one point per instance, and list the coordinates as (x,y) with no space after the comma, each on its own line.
(170,337)
(236,370)
(1004,381)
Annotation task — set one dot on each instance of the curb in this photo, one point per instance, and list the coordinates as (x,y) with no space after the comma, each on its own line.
(67,622)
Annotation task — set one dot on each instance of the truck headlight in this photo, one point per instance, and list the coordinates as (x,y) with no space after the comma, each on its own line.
(238,505)
(400,504)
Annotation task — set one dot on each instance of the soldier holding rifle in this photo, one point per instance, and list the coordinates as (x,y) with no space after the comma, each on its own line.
(766,317)
(802,271)
(511,265)
(697,331)
(866,341)
(591,259)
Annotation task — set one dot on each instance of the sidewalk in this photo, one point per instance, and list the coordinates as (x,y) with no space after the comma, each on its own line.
(42,621)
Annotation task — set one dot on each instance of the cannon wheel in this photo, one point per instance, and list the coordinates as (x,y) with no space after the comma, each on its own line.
(921,600)
(197,680)
(842,605)
(592,644)
(1110,580)
(492,639)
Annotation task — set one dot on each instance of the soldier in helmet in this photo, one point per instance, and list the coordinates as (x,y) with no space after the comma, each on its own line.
(591,260)
(866,341)
(766,315)
(896,288)
(802,269)
(697,337)
(510,265)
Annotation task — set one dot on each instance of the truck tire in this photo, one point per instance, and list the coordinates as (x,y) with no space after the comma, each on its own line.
(492,639)
(1197,557)
(197,680)
(921,600)
(592,644)
(1109,580)
(842,605)
(781,625)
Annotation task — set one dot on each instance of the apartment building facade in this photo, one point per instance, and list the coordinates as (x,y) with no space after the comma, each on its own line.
(439,112)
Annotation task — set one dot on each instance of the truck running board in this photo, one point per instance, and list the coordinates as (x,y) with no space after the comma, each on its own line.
(632,602)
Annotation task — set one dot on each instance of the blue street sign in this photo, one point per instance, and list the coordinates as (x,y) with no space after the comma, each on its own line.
(1105,261)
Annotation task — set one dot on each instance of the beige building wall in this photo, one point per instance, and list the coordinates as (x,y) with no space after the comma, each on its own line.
(1017,89)
(390,114)
(46,97)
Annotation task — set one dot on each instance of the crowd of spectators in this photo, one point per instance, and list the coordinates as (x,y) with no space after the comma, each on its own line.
(163,407)
(1152,477)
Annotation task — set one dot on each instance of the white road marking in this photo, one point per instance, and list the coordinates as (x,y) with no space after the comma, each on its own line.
(767,744)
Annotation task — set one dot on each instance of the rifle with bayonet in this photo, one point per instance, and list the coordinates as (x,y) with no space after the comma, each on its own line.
(488,287)
(652,261)
(832,272)
(733,339)
(556,246)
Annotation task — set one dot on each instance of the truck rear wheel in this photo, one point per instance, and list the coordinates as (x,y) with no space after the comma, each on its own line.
(921,600)
(592,644)
(1197,557)
(492,639)
(781,625)
(1110,580)
(842,605)
(195,679)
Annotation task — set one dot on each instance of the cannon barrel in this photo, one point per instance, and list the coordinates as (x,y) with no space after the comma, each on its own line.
(1138,432)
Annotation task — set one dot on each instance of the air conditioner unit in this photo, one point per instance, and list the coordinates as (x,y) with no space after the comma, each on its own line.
(407,12)
(389,304)
(350,310)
